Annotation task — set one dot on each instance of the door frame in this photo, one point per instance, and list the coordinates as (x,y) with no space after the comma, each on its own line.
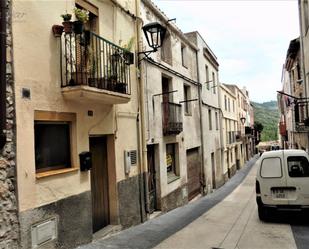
(112,180)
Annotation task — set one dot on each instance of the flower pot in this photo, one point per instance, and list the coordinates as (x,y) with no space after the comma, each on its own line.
(129,58)
(57,30)
(67,26)
(78,27)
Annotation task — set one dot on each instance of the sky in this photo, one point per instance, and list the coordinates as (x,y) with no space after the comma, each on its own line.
(249,37)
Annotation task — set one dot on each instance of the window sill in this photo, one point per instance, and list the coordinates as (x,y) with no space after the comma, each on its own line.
(172,178)
(54,172)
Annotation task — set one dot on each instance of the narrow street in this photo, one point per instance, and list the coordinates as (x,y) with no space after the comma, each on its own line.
(225,219)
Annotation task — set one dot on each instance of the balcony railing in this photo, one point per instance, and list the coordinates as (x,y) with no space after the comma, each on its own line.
(171,118)
(238,135)
(301,123)
(90,60)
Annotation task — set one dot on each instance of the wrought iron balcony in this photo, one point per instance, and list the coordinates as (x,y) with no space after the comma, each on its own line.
(171,118)
(301,123)
(93,67)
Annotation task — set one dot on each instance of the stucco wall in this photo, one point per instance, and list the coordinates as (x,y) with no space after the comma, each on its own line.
(37,69)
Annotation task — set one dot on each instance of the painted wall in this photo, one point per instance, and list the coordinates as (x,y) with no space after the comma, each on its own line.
(37,57)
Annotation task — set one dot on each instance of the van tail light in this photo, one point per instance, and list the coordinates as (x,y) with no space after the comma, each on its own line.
(257,187)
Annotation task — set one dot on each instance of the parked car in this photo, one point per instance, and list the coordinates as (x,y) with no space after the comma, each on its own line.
(282,181)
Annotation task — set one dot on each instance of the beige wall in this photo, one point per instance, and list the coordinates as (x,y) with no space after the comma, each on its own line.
(37,57)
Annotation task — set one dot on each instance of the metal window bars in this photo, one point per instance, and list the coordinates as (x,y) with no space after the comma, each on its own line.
(172,118)
(88,59)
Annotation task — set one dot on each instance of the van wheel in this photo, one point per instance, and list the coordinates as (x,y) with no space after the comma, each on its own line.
(263,213)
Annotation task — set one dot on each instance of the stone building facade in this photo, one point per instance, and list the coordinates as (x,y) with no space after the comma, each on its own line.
(9,225)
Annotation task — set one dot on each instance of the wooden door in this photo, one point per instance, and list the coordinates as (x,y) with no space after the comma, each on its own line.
(99,183)
(193,171)
(151,178)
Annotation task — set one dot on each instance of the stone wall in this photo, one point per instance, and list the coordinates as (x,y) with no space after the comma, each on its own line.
(175,199)
(9,226)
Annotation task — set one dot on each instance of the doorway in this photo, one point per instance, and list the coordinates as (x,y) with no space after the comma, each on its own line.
(213,168)
(99,183)
(152,184)
(193,172)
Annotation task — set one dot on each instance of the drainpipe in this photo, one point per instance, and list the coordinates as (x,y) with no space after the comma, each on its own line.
(303,61)
(3,73)
(143,146)
(203,180)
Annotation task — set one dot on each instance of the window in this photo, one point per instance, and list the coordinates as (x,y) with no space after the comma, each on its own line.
(52,145)
(233,106)
(213,83)
(298,166)
(209,118)
(225,102)
(229,105)
(166,49)
(187,96)
(207,77)
(271,168)
(183,55)
(171,164)
(52,137)
(217,121)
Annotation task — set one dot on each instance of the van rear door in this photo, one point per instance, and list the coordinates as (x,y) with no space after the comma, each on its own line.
(298,178)
(272,180)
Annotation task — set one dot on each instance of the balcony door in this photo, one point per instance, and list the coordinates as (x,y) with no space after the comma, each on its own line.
(166,99)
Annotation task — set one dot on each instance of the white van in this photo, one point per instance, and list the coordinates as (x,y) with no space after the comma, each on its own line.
(282,181)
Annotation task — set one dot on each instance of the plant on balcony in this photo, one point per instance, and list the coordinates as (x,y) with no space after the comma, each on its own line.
(57,30)
(82,16)
(67,24)
(127,55)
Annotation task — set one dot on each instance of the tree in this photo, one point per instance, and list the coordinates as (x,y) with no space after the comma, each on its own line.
(258,126)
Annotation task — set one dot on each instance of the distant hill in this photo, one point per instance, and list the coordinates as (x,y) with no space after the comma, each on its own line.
(267,113)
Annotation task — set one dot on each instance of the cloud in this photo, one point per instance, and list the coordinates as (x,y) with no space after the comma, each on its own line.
(250,38)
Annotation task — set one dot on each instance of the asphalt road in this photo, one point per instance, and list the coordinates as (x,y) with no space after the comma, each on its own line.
(224,219)
(153,232)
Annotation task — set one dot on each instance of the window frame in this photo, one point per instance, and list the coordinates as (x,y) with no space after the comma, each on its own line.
(174,174)
(271,177)
(58,117)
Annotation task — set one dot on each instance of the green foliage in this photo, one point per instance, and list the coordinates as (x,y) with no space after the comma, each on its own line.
(258,126)
(267,115)
(81,15)
(66,17)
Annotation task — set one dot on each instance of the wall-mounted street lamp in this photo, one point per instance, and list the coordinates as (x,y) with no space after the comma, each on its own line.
(243,120)
(154,33)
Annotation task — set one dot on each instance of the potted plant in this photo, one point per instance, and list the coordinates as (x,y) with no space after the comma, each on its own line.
(57,30)
(67,24)
(82,16)
(128,55)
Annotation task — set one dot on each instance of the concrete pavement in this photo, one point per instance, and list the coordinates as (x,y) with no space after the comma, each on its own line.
(168,229)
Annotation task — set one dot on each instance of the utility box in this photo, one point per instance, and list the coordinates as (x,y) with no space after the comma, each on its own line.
(85,160)
(127,161)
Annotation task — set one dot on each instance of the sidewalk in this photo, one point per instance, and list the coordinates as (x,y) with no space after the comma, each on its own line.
(153,232)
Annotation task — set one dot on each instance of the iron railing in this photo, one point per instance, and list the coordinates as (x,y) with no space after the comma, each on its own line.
(88,59)
(171,118)
(301,122)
